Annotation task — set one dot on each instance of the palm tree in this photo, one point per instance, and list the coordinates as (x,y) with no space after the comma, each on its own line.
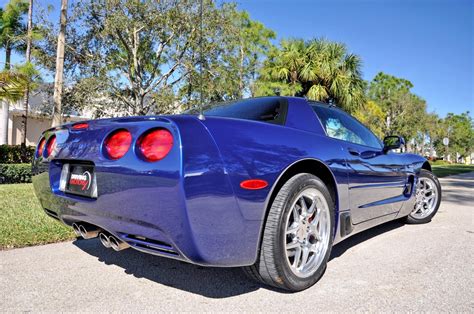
(26,97)
(317,69)
(280,73)
(12,88)
(11,29)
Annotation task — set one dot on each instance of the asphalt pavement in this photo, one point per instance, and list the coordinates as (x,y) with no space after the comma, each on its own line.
(393,267)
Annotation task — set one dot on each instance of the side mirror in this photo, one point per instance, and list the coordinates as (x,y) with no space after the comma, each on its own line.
(392,142)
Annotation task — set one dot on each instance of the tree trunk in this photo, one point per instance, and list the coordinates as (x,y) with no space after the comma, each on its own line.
(388,125)
(4,128)
(58,79)
(5,104)
(241,71)
(423,146)
(140,109)
(27,90)
(8,54)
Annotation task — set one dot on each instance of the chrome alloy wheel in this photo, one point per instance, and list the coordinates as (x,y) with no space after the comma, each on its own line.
(426,198)
(307,232)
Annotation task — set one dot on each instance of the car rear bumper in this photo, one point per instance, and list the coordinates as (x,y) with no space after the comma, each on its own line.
(194,218)
(150,213)
(133,213)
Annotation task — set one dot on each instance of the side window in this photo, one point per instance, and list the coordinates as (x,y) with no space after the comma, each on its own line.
(342,126)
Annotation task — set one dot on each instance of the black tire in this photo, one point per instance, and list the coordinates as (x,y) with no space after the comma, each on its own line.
(413,219)
(271,267)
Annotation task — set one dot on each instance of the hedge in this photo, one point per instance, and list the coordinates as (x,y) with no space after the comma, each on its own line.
(15,173)
(13,154)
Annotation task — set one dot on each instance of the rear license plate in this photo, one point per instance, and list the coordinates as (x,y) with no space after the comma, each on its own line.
(79,180)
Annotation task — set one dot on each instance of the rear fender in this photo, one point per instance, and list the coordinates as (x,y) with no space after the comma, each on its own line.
(258,150)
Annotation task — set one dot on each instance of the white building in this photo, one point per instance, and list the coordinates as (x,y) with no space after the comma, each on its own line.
(36,124)
(39,118)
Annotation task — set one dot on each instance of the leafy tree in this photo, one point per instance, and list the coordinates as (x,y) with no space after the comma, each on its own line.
(404,111)
(132,47)
(232,61)
(433,131)
(145,55)
(459,128)
(406,115)
(235,46)
(372,116)
(252,40)
(317,69)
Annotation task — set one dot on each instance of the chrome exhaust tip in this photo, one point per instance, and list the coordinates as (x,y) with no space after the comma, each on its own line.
(104,239)
(75,227)
(88,234)
(117,244)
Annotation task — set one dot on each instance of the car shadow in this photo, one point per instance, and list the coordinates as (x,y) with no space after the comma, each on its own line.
(453,189)
(211,282)
(457,196)
(358,238)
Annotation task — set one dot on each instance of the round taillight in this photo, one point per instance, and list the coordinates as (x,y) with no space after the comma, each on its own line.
(51,146)
(155,144)
(39,151)
(118,143)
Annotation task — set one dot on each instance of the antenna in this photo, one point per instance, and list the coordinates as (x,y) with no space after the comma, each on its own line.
(201,61)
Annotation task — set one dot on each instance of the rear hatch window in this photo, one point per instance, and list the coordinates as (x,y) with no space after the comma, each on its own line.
(265,109)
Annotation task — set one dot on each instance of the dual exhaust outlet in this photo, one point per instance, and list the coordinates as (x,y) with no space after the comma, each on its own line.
(107,240)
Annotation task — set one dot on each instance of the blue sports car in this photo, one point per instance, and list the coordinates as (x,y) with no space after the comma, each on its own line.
(269,184)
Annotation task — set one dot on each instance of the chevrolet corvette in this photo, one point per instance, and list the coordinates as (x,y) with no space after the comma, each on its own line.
(268,184)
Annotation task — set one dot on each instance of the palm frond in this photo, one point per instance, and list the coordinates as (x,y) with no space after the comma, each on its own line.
(12,86)
(317,92)
(321,69)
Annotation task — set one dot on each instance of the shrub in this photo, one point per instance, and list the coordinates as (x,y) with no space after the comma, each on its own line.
(14,154)
(439,162)
(15,173)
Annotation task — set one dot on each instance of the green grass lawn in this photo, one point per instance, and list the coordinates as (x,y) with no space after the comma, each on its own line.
(23,221)
(447,170)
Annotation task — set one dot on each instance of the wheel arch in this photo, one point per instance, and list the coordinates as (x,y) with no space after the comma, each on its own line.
(307,165)
(426,165)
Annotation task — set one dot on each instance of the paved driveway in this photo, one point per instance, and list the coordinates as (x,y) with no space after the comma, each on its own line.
(392,267)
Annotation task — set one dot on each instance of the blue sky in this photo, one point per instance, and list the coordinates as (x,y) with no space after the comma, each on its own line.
(429,42)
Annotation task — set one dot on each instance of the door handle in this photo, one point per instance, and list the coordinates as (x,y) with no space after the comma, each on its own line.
(353,152)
